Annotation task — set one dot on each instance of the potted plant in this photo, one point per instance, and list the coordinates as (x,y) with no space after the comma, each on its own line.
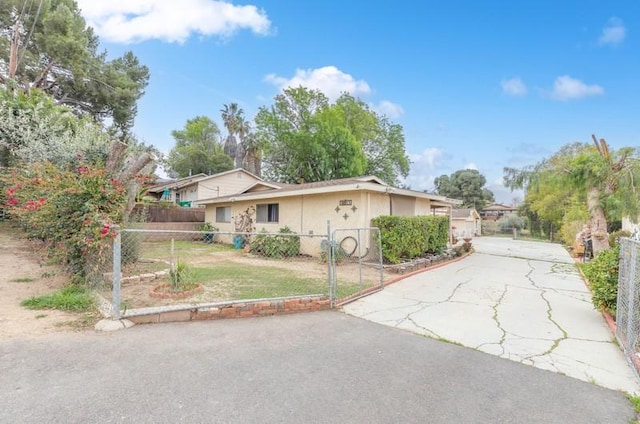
(209,232)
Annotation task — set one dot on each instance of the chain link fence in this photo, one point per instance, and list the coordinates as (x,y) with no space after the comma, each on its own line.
(358,263)
(156,268)
(628,305)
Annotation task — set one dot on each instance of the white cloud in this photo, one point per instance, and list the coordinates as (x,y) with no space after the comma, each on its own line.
(130,21)
(504,195)
(514,87)
(471,165)
(567,88)
(425,167)
(328,79)
(392,110)
(613,33)
(429,158)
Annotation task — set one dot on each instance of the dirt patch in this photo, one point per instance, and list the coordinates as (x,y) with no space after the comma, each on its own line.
(23,273)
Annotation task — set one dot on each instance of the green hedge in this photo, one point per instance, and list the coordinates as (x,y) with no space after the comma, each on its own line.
(405,237)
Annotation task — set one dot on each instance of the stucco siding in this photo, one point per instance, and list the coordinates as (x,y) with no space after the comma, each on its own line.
(380,204)
(403,205)
(465,227)
(423,207)
(224,185)
(308,215)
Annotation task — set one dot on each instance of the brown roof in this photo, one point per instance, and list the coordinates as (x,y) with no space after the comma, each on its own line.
(460,213)
(358,183)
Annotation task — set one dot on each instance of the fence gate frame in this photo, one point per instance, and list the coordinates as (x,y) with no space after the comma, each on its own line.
(336,252)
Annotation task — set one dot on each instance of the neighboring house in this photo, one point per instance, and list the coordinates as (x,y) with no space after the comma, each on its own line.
(465,223)
(347,203)
(496,211)
(186,191)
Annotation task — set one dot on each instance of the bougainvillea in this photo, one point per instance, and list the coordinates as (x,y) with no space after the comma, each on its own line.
(73,210)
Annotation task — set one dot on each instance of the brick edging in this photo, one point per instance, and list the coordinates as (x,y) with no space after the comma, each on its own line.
(239,309)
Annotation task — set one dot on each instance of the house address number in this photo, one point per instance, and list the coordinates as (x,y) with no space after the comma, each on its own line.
(346,202)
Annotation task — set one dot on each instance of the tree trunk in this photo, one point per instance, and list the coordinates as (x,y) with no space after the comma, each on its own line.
(126,176)
(13,53)
(116,153)
(599,236)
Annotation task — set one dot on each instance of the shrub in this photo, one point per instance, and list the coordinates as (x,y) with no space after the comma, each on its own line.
(411,237)
(510,221)
(180,277)
(72,209)
(276,246)
(209,231)
(602,273)
(340,255)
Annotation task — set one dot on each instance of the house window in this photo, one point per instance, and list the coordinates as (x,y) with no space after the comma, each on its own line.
(223,214)
(267,212)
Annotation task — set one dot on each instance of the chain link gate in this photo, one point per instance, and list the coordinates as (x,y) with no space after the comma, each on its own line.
(356,267)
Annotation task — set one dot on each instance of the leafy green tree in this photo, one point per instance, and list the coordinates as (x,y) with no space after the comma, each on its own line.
(605,179)
(198,149)
(286,131)
(47,45)
(467,185)
(34,129)
(382,141)
(305,138)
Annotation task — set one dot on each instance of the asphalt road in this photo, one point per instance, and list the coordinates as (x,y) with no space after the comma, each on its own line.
(322,367)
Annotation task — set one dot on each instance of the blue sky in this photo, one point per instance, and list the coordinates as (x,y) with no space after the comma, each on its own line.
(475,84)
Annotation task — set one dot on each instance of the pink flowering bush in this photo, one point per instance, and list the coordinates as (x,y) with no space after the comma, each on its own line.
(73,210)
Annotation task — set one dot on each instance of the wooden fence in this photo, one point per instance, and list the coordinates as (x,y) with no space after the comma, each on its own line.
(155,213)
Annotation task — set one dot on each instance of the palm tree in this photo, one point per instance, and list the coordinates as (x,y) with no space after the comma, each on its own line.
(231,117)
(251,149)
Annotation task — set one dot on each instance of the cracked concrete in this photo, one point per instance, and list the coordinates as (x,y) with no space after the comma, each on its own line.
(523,301)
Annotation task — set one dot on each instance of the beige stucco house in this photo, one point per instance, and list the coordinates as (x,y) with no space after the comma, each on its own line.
(186,191)
(466,223)
(305,208)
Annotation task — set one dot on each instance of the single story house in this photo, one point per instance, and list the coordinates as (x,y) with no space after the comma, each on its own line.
(466,223)
(346,203)
(496,211)
(186,191)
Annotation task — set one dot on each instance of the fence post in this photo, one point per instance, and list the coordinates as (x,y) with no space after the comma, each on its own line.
(379,237)
(117,274)
(330,287)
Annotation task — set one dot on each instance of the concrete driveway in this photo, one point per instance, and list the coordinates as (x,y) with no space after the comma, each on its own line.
(519,300)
